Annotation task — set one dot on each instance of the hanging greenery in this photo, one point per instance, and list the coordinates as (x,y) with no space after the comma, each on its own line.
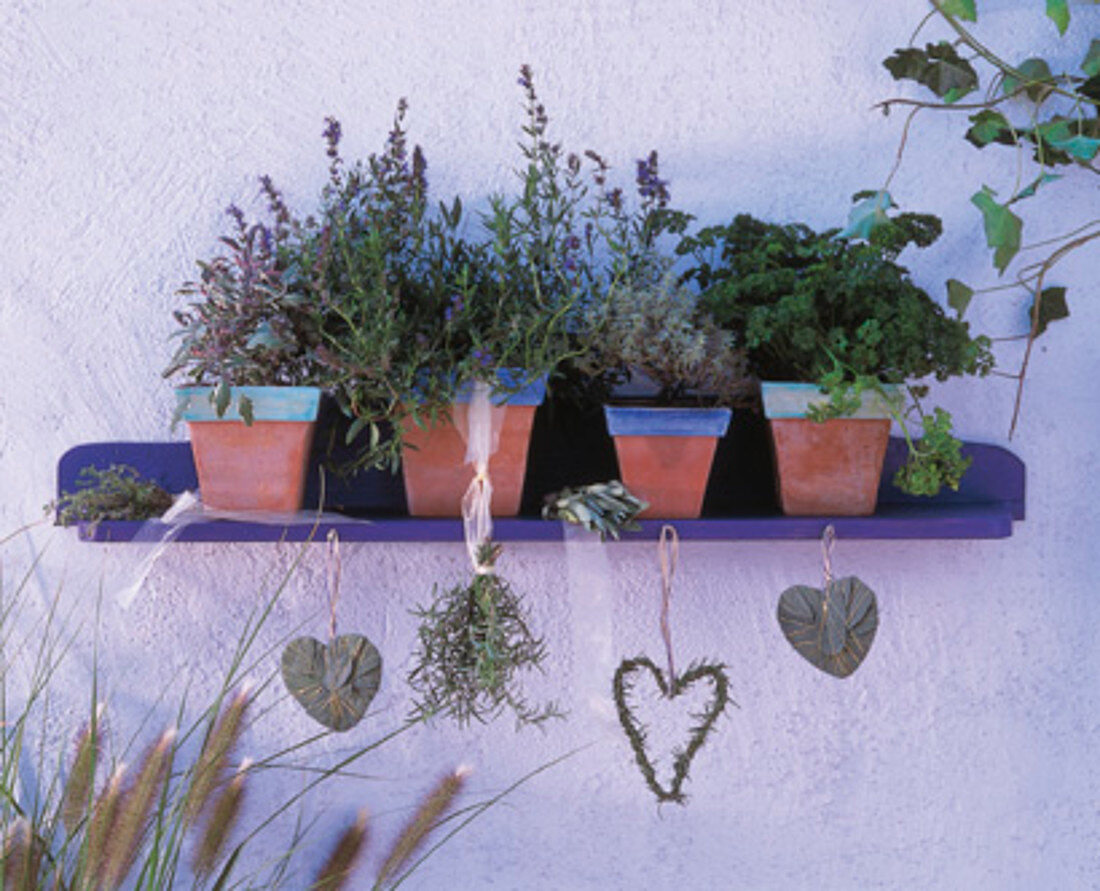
(1047,111)
(625,679)
(833,626)
(671,686)
(333,682)
(474,643)
(336,682)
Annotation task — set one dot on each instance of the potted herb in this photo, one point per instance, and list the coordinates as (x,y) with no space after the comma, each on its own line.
(673,374)
(840,335)
(414,308)
(246,348)
(410,313)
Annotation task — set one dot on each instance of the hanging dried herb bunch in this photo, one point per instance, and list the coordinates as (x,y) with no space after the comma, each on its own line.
(474,642)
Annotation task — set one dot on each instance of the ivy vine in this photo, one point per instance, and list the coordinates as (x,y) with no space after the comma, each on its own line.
(1049,115)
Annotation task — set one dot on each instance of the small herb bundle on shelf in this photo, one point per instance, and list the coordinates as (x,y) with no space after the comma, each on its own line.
(117,493)
(606,508)
(474,642)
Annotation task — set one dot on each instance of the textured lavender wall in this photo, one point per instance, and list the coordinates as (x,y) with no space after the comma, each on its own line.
(962,755)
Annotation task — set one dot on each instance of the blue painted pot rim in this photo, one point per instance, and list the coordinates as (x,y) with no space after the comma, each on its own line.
(268,403)
(786,400)
(516,389)
(629,420)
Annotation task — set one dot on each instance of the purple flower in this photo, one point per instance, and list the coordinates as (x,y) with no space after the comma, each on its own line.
(419,168)
(275,201)
(483,357)
(332,134)
(237,214)
(650,185)
(569,248)
(455,306)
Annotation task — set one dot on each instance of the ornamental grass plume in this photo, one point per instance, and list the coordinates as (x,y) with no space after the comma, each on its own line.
(422,823)
(21,856)
(77,796)
(209,770)
(341,862)
(134,808)
(100,826)
(223,817)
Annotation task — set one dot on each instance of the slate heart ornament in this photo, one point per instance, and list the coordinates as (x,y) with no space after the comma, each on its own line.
(624,681)
(333,683)
(833,628)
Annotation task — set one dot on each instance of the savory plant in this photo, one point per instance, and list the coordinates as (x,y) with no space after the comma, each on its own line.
(474,640)
(658,335)
(843,314)
(117,493)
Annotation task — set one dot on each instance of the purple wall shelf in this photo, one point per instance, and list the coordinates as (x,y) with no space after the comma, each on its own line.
(989,500)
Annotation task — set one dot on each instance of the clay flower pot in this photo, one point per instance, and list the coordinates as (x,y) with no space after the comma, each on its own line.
(828,468)
(257,467)
(665,454)
(434,458)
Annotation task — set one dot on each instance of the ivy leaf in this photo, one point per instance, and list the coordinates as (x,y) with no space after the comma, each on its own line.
(938,66)
(1034,185)
(1090,89)
(961,9)
(867,214)
(1091,64)
(1002,227)
(990,126)
(958,296)
(1036,74)
(1052,307)
(244,406)
(1062,134)
(1058,12)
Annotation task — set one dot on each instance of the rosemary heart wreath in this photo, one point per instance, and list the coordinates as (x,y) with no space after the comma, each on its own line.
(670,686)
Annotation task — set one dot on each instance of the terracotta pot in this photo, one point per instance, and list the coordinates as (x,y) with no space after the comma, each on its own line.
(829,468)
(257,467)
(665,455)
(434,459)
